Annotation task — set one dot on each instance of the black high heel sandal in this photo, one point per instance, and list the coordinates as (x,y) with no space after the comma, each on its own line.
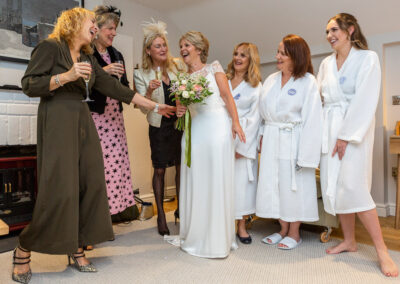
(21,277)
(81,268)
(176,215)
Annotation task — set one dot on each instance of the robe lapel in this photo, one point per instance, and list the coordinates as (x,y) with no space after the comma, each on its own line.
(69,62)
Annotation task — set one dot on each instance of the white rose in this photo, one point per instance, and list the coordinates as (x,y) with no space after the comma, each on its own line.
(183,82)
(185,94)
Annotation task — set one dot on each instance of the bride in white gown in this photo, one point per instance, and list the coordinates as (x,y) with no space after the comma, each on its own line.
(207,216)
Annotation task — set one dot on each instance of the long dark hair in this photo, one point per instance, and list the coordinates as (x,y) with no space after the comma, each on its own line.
(345,21)
(299,52)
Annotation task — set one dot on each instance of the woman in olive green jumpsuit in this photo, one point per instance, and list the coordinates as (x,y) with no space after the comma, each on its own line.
(71,208)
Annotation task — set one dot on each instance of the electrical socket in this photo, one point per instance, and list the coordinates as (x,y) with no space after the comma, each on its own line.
(394,172)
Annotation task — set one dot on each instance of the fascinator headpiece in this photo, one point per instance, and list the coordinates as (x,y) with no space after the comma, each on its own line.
(154,28)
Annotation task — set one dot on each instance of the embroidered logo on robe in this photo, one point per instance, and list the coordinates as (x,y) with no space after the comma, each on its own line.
(292,92)
(342,80)
(236,97)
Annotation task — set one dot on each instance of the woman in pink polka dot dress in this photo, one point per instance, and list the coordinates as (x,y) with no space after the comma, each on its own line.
(108,117)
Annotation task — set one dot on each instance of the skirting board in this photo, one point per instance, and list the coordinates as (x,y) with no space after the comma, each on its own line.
(385,210)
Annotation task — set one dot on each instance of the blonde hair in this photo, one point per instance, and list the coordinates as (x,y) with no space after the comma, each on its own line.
(252,75)
(147,61)
(153,30)
(69,25)
(199,41)
(105,14)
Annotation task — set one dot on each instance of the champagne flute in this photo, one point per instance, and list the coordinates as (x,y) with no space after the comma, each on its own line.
(87,79)
(122,63)
(158,74)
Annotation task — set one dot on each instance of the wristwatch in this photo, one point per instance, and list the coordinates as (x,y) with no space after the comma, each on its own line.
(156,108)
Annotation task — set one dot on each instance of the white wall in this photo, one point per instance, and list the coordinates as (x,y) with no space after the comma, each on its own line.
(391,72)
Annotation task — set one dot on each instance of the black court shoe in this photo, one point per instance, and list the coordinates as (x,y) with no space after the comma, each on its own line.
(244,240)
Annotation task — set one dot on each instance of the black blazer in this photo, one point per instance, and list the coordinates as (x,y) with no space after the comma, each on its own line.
(99,103)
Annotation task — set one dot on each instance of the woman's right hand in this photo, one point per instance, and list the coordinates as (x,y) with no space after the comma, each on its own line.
(237,130)
(180,110)
(166,110)
(154,84)
(78,70)
(116,69)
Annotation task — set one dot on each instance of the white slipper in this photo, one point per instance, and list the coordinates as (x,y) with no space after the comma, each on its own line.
(290,243)
(274,238)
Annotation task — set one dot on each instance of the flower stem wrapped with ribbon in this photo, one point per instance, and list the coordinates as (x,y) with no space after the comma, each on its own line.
(188,90)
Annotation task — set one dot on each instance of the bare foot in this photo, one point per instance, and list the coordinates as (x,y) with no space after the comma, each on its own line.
(388,267)
(343,247)
(21,268)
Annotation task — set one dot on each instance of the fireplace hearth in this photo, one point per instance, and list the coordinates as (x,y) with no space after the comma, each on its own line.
(18,186)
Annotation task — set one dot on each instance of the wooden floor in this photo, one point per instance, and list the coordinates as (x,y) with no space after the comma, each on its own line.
(390,234)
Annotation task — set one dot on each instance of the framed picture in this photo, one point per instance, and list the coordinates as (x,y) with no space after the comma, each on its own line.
(23,23)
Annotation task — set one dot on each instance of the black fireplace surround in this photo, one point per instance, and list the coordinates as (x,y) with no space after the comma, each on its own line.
(18,184)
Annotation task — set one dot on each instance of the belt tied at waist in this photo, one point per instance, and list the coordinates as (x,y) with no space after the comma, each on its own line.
(328,107)
(333,163)
(288,126)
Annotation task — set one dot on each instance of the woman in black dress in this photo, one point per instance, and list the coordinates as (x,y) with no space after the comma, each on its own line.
(153,80)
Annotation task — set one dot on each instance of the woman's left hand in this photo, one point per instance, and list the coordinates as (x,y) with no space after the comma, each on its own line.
(116,69)
(180,110)
(237,129)
(238,156)
(166,110)
(340,148)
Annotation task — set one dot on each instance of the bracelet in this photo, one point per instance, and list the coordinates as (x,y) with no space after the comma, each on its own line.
(156,108)
(57,80)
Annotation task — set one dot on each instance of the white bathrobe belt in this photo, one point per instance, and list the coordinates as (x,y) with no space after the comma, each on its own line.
(328,107)
(288,126)
(333,163)
(250,173)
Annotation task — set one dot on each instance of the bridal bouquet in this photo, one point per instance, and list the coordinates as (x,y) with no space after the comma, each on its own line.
(188,90)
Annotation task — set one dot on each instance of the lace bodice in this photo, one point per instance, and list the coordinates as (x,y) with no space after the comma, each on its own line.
(212,68)
(214,101)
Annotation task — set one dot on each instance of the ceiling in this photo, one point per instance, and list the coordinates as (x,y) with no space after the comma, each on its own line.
(264,22)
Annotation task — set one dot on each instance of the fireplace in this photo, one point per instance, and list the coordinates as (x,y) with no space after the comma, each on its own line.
(18,174)
(18,185)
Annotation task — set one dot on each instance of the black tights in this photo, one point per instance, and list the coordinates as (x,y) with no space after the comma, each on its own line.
(158,188)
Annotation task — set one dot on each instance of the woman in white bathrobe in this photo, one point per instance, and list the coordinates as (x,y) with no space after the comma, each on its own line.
(290,106)
(349,81)
(244,81)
